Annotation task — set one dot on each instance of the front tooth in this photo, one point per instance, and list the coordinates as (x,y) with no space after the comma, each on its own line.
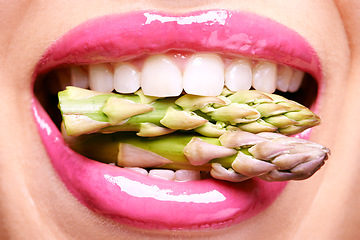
(162,174)
(126,78)
(101,78)
(161,77)
(187,175)
(79,77)
(204,75)
(142,171)
(264,77)
(283,79)
(238,76)
(296,80)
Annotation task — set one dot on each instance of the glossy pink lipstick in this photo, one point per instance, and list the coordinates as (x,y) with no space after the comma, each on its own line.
(132,198)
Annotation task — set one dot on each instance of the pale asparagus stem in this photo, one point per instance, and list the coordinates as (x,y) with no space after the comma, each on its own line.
(250,111)
(235,156)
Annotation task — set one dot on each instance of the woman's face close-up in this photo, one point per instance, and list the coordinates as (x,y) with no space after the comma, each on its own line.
(196,154)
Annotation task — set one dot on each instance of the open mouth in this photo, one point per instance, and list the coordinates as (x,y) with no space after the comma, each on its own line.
(201,54)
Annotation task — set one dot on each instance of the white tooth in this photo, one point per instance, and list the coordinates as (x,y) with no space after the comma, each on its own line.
(126,78)
(238,76)
(187,175)
(296,80)
(283,78)
(204,75)
(79,77)
(162,174)
(100,78)
(138,170)
(264,77)
(161,77)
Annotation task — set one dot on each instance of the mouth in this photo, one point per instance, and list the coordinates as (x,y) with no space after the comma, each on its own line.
(143,50)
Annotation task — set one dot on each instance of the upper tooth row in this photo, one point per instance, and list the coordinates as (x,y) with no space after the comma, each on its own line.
(203,74)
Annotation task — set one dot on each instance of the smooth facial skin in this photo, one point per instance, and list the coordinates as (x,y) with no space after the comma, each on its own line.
(36,205)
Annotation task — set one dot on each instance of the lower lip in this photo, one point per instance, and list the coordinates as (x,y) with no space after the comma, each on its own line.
(140,201)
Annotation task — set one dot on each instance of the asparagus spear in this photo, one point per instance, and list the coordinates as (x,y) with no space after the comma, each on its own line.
(235,156)
(231,151)
(85,111)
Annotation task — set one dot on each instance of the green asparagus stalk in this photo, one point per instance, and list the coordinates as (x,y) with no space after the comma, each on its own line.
(235,156)
(85,111)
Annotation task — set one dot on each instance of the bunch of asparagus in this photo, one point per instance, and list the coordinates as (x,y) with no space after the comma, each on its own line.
(234,136)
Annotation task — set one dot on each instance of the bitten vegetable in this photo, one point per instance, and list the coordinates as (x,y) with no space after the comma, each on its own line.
(86,111)
(234,136)
(235,156)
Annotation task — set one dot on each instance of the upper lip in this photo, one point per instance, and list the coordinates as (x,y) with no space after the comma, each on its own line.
(113,38)
(120,37)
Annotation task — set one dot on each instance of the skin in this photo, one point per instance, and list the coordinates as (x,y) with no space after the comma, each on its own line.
(36,205)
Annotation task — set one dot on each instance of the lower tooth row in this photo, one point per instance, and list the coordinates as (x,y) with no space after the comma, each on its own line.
(166,174)
(202,74)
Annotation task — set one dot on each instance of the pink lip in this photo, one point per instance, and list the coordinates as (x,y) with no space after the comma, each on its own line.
(137,200)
